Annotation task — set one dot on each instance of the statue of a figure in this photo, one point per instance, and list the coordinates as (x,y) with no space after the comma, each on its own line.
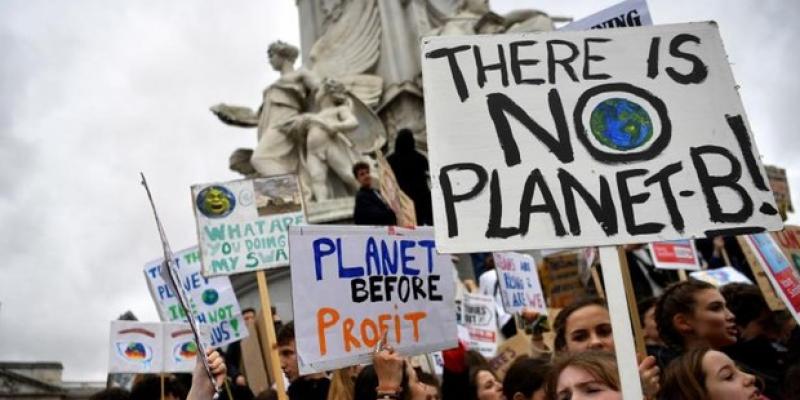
(276,152)
(328,146)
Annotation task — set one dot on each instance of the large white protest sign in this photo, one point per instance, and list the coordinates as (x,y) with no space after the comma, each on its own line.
(243,225)
(151,347)
(518,280)
(478,313)
(572,139)
(629,13)
(350,284)
(212,299)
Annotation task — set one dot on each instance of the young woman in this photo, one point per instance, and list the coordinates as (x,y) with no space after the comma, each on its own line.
(525,378)
(589,374)
(483,385)
(705,374)
(693,314)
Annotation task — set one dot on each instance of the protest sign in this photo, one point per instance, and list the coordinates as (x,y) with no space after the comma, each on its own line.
(760,274)
(212,300)
(151,347)
(789,241)
(676,254)
(783,276)
(365,281)
(478,313)
(563,281)
(629,13)
(574,139)
(398,201)
(720,276)
(509,351)
(519,283)
(243,225)
(780,187)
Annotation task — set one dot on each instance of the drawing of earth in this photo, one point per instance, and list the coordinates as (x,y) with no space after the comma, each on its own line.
(188,350)
(621,124)
(210,296)
(215,201)
(136,351)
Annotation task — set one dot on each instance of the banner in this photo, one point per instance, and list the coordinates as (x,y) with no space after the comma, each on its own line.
(783,276)
(399,202)
(519,284)
(212,299)
(576,139)
(677,254)
(151,347)
(243,225)
(352,284)
(481,323)
(629,13)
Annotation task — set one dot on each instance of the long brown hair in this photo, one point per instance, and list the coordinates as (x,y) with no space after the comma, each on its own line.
(602,365)
(560,323)
(685,378)
(678,298)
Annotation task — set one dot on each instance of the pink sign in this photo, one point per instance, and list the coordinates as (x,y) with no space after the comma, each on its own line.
(678,254)
(778,269)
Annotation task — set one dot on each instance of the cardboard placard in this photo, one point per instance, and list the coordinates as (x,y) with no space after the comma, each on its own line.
(398,201)
(351,283)
(579,139)
(720,276)
(480,321)
(780,187)
(677,254)
(760,275)
(563,283)
(151,347)
(212,299)
(784,277)
(242,225)
(518,280)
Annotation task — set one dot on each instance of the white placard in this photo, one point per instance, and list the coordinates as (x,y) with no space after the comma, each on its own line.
(481,323)
(627,14)
(574,139)
(351,283)
(212,299)
(151,347)
(243,225)
(720,276)
(518,278)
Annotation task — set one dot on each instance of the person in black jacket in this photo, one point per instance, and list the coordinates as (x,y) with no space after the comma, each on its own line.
(370,208)
(410,168)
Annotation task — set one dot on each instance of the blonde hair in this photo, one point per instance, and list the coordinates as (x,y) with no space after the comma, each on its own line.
(602,365)
(343,385)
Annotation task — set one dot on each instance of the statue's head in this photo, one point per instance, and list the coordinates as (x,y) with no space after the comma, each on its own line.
(479,7)
(279,52)
(333,90)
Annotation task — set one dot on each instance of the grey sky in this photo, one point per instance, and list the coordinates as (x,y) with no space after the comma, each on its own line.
(95,91)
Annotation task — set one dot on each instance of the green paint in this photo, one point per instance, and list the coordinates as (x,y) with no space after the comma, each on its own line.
(235,326)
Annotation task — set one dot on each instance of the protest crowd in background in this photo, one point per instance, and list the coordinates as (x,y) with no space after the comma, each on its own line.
(381,313)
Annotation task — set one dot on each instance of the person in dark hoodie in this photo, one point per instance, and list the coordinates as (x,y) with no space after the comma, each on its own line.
(411,170)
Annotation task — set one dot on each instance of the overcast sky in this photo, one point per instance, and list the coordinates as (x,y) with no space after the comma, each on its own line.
(95,91)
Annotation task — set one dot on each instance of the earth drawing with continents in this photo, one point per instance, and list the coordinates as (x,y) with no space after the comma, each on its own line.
(621,124)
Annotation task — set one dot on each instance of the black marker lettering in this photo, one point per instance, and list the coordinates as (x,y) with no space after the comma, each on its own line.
(549,206)
(699,70)
(450,199)
(563,62)
(494,229)
(652,59)
(708,183)
(517,63)
(501,66)
(603,211)
(455,70)
(587,57)
(662,178)
(743,137)
(627,201)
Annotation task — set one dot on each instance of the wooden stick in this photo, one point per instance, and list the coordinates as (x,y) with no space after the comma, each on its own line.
(682,275)
(266,309)
(598,285)
(162,385)
(615,269)
(228,389)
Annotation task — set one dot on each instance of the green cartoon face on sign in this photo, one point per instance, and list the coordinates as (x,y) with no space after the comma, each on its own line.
(621,124)
(215,202)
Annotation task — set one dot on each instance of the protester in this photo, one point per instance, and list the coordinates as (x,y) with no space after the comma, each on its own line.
(647,318)
(428,385)
(111,394)
(585,325)
(490,286)
(589,374)
(233,356)
(705,374)
(306,387)
(647,280)
(410,168)
(724,251)
(483,384)
(202,388)
(343,383)
(146,387)
(392,377)
(525,379)
(370,207)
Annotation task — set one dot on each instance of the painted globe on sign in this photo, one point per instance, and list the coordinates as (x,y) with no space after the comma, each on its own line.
(136,351)
(621,124)
(210,296)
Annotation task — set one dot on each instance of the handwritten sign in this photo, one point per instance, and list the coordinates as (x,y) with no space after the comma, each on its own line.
(781,273)
(151,347)
(627,14)
(351,284)
(519,282)
(720,276)
(575,139)
(211,299)
(243,225)
(478,313)
(677,254)
(399,202)
(780,187)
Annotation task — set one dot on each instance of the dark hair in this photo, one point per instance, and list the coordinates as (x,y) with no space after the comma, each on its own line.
(525,375)
(149,387)
(745,302)
(359,166)
(678,298)
(472,385)
(367,383)
(644,306)
(111,394)
(560,323)
(599,364)
(249,309)
(684,377)
(268,394)
(285,335)
(430,380)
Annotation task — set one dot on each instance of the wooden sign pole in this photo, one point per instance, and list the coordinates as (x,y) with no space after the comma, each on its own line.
(598,286)
(161,375)
(614,263)
(275,366)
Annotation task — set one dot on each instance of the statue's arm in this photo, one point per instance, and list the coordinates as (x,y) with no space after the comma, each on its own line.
(236,116)
(345,120)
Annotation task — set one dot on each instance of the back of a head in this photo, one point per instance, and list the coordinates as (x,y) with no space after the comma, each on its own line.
(404,142)
(601,365)
(269,394)
(745,302)
(684,377)
(525,375)
(678,298)
(560,323)
(111,394)
(285,335)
